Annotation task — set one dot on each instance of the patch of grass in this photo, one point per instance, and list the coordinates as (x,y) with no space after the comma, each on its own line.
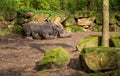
(115,39)
(76,29)
(4,32)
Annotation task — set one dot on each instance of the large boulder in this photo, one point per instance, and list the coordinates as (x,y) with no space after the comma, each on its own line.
(55,58)
(39,18)
(89,41)
(100,58)
(57,19)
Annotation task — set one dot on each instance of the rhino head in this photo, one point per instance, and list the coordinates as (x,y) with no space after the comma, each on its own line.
(61,33)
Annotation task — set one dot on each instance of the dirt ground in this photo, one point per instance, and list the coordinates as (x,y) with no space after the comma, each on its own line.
(20,57)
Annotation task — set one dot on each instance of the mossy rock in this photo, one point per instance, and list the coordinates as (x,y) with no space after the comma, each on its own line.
(55,58)
(57,18)
(115,40)
(100,58)
(109,73)
(76,28)
(40,17)
(89,41)
(69,21)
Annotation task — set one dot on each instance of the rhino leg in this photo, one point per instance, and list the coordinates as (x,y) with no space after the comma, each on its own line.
(35,35)
(47,36)
(64,34)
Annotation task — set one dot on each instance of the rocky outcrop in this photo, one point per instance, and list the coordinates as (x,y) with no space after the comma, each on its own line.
(89,41)
(100,58)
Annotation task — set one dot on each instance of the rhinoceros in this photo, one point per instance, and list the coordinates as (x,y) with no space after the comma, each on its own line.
(44,30)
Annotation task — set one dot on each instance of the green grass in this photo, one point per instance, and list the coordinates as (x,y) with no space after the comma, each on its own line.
(4,32)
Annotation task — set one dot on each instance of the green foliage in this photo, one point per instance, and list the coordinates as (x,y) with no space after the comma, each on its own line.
(17,29)
(40,4)
(113,20)
(58,56)
(8,8)
(99,20)
(76,29)
(96,28)
(4,32)
(24,11)
(112,72)
(116,40)
(91,39)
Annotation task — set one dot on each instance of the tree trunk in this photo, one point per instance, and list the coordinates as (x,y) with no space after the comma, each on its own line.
(105,30)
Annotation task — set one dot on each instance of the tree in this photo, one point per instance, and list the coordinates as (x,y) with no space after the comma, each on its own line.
(105,31)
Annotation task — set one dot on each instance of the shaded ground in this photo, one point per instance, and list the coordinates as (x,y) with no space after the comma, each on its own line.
(19,57)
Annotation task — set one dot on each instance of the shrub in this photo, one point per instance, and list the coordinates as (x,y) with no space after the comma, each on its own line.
(17,29)
(76,29)
(4,32)
(115,39)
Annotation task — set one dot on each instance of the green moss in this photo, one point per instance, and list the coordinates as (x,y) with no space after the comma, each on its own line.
(58,56)
(98,49)
(100,58)
(89,41)
(76,29)
(115,39)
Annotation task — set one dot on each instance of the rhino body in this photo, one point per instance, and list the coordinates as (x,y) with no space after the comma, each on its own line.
(44,30)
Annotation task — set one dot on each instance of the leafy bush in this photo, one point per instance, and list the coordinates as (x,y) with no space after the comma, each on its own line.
(11,6)
(76,29)
(4,32)
(115,40)
(17,29)
(22,12)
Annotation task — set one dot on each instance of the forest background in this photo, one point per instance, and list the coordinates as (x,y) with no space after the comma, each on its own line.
(10,8)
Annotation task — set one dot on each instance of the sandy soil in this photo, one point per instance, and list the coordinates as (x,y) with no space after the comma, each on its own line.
(20,57)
